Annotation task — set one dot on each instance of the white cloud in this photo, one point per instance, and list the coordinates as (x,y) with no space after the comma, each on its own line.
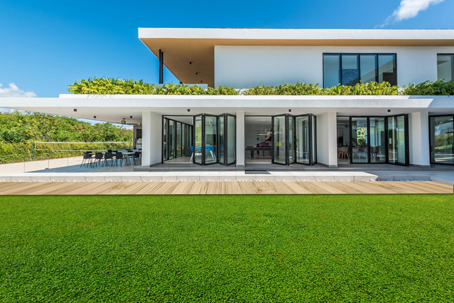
(409,9)
(14,91)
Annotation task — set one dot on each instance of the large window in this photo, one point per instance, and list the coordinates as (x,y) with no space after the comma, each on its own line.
(445,67)
(350,69)
(441,140)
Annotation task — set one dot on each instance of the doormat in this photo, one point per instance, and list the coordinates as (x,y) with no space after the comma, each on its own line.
(256,172)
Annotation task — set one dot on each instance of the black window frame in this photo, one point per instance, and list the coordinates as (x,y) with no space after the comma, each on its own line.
(359,64)
(452,65)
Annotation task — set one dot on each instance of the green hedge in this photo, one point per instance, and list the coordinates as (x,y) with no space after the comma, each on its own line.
(430,88)
(17,130)
(111,86)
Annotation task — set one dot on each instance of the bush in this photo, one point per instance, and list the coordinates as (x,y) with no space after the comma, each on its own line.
(430,88)
(113,86)
(18,129)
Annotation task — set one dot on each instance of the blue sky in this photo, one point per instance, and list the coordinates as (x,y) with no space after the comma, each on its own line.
(46,45)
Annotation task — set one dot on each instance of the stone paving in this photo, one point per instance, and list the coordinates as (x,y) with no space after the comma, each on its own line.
(76,173)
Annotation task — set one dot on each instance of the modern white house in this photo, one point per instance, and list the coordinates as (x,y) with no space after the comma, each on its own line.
(242,130)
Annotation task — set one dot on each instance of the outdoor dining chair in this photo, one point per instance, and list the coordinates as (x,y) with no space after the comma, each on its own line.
(136,157)
(98,159)
(119,157)
(108,156)
(87,158)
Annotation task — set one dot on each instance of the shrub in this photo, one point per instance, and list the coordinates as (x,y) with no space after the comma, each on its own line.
(18,129)
(430,88)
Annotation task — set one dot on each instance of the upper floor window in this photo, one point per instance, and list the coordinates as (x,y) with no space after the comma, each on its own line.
(349,69)
(445,67)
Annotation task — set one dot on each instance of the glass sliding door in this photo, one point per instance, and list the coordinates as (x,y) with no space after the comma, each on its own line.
(359,140)
(171,139)
(398,140)
(302,137)
(313,141)
(221,139)
(231,139)
(377,139)
(197,149)
(290,139)
(279,139)
(210,145)
(184,138)
(164,140)
(441,140)
(178,140)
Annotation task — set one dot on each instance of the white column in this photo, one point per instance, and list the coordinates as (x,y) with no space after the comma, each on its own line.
(419,138)
(327,139)
(151,138)
(240,139)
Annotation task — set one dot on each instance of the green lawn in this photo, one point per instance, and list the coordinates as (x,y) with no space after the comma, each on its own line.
(397,248)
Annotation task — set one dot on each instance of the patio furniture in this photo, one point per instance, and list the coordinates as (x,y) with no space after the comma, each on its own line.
(108,156)
(119,156)
(87,158)
(343,152)
(136,156)
(98,159)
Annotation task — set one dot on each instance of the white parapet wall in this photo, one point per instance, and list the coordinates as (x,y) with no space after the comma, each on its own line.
(24,167)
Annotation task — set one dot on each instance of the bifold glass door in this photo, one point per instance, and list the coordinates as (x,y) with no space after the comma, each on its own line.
(398,140)
(176,138)
(279,126)
(303,139)
(441,139)
(293,139)
(215,139)
(378,140)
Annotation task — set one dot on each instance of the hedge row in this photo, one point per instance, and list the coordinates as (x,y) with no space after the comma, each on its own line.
(17,130)
(111,86)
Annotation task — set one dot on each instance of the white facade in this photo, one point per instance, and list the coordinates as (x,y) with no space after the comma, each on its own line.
(249,66)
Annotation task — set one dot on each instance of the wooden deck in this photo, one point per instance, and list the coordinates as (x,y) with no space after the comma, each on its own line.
(223,188)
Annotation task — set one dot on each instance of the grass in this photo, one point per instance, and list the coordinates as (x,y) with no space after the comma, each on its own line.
(397,248)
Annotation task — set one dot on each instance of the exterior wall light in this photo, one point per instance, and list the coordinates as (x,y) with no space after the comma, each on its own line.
(123,121)
(189,110)
(196,73)
(94,117)
(289,110)
(75,110)
(389,110)
(130,117)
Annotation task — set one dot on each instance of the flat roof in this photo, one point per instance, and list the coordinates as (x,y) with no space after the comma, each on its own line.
(196,45)
(114,108)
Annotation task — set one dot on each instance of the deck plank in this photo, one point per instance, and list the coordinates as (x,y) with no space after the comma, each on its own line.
(224,187)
